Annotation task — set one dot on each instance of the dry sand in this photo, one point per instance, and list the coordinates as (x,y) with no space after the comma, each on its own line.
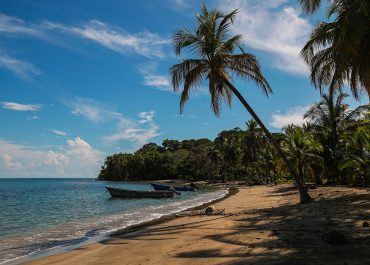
(264,225)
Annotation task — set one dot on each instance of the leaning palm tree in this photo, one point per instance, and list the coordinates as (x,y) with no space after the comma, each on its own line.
(338,51)
(217,62)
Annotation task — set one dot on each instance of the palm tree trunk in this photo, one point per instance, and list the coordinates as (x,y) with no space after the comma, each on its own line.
(304,196)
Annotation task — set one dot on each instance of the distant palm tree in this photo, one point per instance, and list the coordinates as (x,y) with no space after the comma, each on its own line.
(338,51)
(358,160)
(252,142)
(302,150)
(217,62)
(330,119)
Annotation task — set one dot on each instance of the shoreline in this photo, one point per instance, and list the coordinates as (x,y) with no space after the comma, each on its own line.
(263,225)
(119,232)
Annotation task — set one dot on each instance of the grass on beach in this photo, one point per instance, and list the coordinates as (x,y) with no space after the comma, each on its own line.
(263,225)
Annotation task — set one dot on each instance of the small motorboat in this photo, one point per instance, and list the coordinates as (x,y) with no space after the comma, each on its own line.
(177,188)
(124,193)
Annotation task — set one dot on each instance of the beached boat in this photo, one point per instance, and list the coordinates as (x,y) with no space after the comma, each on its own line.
(124,193)
(165,187)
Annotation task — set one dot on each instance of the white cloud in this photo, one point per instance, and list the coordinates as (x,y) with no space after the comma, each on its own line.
(10,163)
(139,136)
(20,107)
(137,132)
(115,38)
(146,116)
(22,69)
(186,116)
(158,81)
(274,27)
(150,78)
(34,117)
(76,159)
(14,25)
(163,82)
(143,43)
(291,116)
(92,110)
(179,4)
(58,132)
(77,147)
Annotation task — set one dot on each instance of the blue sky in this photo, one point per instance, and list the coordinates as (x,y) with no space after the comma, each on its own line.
(84,79)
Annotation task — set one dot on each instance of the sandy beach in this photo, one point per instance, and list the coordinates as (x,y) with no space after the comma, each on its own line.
(263,225)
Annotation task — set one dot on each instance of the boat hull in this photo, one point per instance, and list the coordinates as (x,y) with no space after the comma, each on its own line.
(124,193)
(165,187)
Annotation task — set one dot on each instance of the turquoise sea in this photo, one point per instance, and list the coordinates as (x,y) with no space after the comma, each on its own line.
(42,214)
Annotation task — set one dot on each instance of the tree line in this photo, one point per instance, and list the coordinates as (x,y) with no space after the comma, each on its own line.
(332,147)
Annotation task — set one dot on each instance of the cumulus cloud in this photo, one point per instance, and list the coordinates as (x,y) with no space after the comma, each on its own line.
(274,27)
(76,159)
(291,116)
(20,107)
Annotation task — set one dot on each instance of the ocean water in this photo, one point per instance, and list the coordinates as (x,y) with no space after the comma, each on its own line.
(41,214)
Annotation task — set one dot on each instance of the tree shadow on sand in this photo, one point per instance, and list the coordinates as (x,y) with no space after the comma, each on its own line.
(292,234)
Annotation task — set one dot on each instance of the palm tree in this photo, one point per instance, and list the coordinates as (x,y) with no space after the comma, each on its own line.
(302,150)
(358,160)
(310,6)
(217,62)
(338,51)
(330,119)
(252,142)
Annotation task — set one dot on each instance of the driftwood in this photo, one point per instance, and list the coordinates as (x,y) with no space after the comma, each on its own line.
(208,212)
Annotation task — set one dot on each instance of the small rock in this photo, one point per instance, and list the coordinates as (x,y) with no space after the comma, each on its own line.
(365,224)
(333,238)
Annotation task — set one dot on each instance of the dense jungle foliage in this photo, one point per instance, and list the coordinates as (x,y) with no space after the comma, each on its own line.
(333,146)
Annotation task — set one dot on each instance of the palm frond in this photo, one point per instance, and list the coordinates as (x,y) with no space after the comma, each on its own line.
(246,66)
(181,70)
(310,6)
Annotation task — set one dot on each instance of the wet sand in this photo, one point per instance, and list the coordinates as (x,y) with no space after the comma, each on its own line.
(262,225)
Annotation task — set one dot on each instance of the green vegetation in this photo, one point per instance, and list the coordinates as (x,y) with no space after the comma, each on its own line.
(338,51)
(218,57)
(333,147)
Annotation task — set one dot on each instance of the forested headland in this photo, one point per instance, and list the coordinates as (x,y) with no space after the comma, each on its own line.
(333,146)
